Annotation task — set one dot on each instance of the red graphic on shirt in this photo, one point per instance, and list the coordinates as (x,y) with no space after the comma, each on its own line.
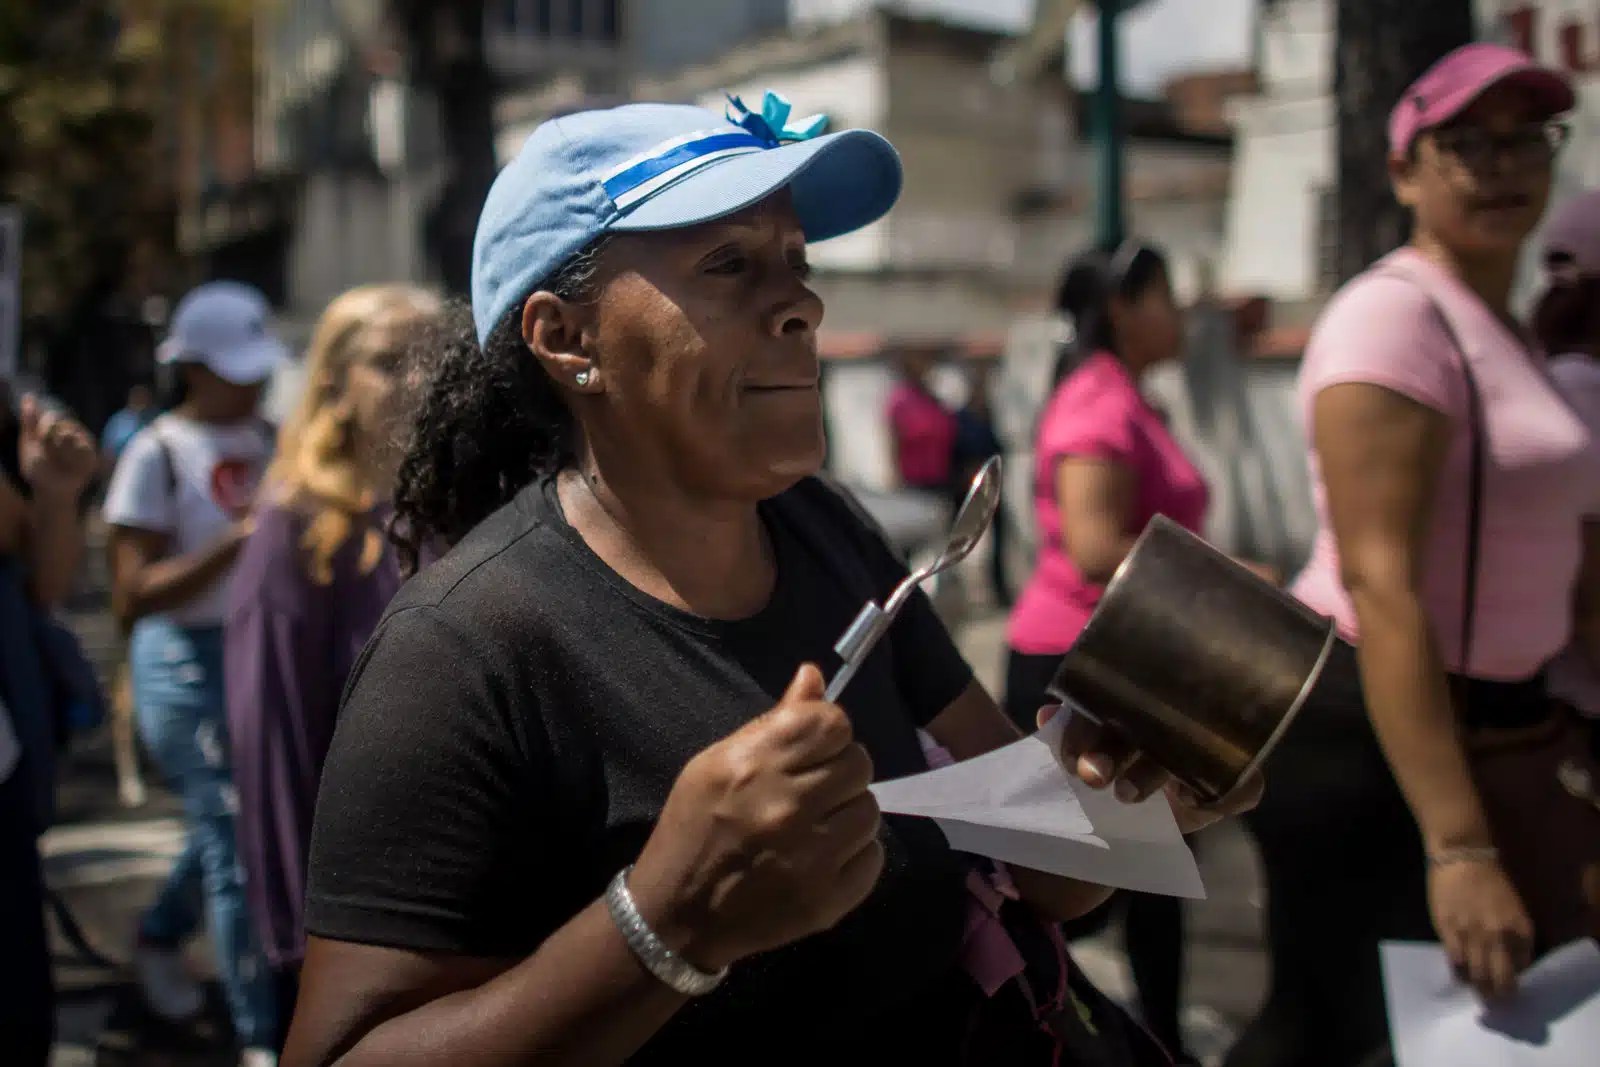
(233,486)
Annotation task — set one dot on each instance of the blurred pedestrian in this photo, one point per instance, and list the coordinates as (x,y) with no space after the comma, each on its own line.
(47,461)
(179,506)
(135,414)
(976,443)
(1566,323)
(139,411)
(1451,481)
(922,430)
(309,586)
(1104,465)
(559,811)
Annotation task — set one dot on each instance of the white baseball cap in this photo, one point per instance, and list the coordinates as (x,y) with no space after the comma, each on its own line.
(223,327)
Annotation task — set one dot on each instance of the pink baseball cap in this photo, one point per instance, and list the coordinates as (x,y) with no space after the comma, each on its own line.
(1574,232)
(1451,85)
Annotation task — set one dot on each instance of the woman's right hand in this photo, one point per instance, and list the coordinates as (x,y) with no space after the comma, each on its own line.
(1482,921)
(768,836)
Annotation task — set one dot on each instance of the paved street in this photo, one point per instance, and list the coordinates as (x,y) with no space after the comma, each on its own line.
(105,863)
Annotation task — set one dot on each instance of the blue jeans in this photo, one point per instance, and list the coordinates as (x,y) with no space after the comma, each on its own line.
(182,714)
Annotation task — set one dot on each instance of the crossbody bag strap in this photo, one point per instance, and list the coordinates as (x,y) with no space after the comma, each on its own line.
(1477,431)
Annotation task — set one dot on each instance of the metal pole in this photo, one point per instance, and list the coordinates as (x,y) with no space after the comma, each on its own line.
(1110,226)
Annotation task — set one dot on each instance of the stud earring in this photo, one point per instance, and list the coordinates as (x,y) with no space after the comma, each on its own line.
(583,378)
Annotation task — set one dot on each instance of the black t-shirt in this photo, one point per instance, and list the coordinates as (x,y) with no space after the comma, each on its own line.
(512,732)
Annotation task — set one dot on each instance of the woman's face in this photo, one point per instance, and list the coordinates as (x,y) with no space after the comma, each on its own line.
(703,343)
(1479,184)
(1149,325)
(373,382)
(215,399)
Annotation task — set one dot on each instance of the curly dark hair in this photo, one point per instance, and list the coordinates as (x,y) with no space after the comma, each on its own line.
(488,421)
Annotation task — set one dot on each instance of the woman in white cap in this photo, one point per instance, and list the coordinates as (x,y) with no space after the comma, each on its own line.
(586,802)
(1450,482)
(179,510)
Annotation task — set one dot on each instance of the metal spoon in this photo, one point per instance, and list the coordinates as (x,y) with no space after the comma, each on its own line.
(973,518)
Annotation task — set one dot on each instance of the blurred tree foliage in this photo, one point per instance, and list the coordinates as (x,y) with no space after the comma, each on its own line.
(83,101)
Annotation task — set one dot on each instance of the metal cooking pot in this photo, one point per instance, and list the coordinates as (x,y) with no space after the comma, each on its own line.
(1202,663)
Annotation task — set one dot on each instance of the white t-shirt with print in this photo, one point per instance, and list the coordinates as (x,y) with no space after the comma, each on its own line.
(193,489)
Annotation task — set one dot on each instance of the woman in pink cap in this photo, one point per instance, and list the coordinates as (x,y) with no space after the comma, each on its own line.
(1450,479)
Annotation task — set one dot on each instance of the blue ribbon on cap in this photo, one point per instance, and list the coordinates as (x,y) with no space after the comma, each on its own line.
(771,124)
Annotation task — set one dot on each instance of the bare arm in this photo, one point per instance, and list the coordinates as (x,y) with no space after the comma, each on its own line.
(143,583)
(973,724)
(54,547)
(1095,498)
(582,998)
(1381,454)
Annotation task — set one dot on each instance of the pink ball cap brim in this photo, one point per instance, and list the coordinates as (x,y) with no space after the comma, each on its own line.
(1458,80)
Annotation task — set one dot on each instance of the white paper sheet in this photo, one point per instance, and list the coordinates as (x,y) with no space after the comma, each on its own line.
(1554,1020)
(1018,805)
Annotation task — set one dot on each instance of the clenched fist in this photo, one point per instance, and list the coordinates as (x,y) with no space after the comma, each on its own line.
(768,836)
(56,454)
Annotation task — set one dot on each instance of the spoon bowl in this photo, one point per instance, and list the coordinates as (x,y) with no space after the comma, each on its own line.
(972,520)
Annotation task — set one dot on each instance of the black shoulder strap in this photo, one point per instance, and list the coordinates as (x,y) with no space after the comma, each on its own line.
(1477,429)
(168,461)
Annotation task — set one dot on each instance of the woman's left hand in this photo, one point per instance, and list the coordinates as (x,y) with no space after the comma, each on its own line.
(1103,758)
(55,452)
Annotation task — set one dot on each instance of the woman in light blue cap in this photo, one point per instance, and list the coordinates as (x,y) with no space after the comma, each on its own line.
(586,802)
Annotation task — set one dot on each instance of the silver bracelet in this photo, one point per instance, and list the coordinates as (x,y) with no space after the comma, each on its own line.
(670,968)
(1449,857)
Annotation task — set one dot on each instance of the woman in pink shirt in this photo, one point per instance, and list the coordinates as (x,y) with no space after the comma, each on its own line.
(1104,465)
(922,430)
(1425,405)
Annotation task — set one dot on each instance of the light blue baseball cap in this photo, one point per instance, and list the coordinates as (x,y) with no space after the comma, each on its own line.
(646,167)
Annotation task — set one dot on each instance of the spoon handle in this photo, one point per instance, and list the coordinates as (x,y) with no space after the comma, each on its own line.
(856,644)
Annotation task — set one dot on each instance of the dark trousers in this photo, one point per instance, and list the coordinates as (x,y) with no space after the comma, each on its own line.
(27,990)
(1345,869)
(1152,925)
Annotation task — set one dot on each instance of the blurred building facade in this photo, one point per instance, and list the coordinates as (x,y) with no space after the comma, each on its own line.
(998,178)
(210,210)
(1282,211)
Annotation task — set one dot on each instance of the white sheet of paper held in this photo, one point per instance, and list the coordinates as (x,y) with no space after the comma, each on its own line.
(1554,1020)
(1017,805)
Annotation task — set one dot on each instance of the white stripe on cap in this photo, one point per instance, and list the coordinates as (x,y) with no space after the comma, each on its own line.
(644,191)
(663,148)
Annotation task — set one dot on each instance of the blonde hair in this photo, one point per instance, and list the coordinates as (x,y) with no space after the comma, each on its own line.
(316,465)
